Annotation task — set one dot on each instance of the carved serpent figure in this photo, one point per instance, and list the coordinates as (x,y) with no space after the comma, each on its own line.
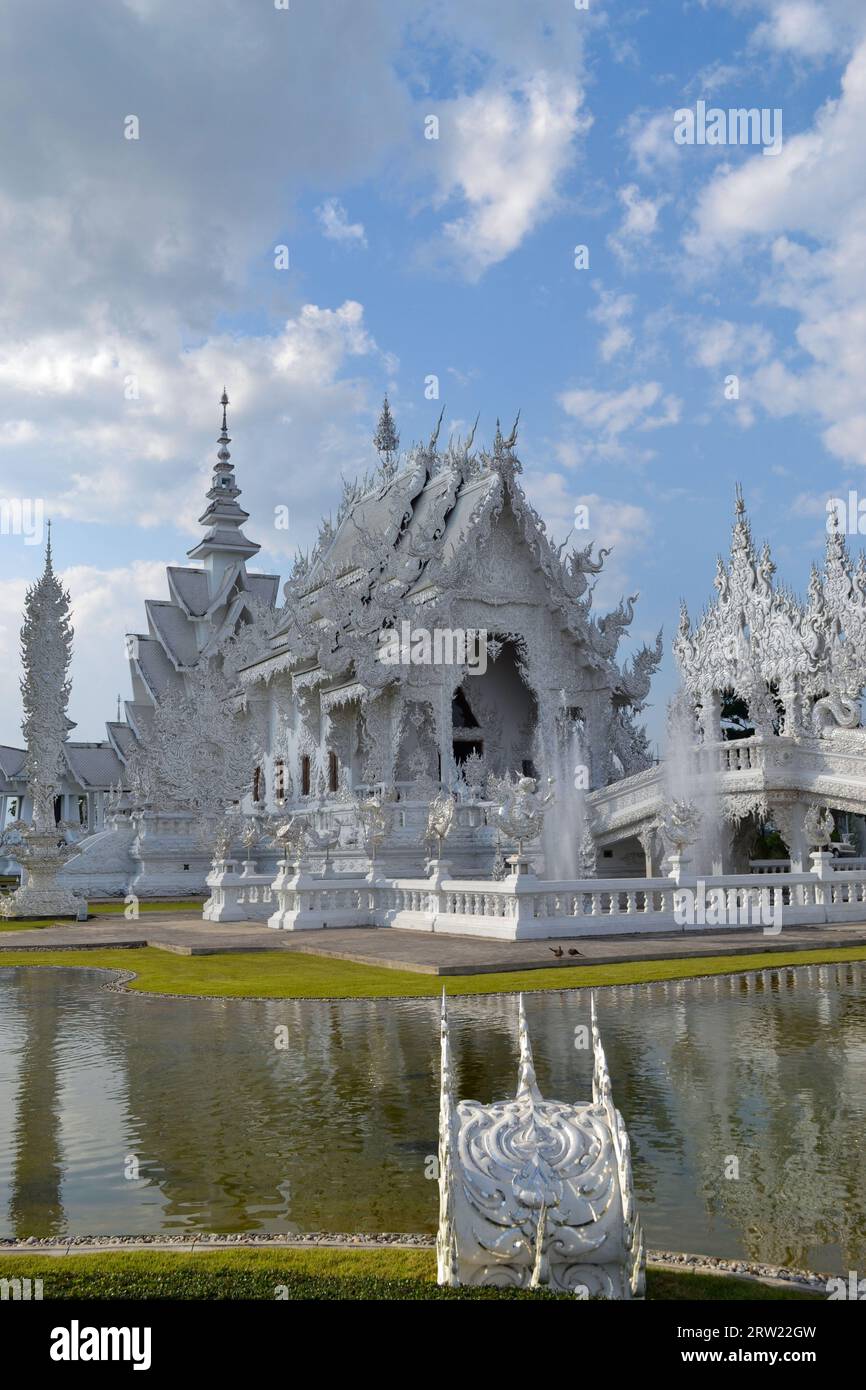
(836,711)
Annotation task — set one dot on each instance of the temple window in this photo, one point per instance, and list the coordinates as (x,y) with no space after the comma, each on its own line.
(305,775)
(333,771)
(280,780)
(258,782)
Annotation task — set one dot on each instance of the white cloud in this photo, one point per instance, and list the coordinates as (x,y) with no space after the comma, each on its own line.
(650,137)
(805,31)
(335,224)
(610,413)
(639,222)
(93,455)
(611,312)
(621,526)
(503,154)
(801,27)
(802,218)
(719,343)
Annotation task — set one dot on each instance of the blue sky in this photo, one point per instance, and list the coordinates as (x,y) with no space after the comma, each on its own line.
(153,259)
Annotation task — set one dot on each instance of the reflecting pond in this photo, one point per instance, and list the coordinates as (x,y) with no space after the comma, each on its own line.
(122,1114)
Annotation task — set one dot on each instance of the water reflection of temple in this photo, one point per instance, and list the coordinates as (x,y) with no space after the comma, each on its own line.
(31,1147)
(234,1133)
(777,1082)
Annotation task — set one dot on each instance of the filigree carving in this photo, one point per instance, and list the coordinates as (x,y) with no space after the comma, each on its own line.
(535,1192)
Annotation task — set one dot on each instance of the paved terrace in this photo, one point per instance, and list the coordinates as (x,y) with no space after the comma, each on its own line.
(426,952)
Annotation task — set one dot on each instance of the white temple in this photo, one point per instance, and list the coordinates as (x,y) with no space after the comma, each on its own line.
(433,638)
(433,729)
(768,725)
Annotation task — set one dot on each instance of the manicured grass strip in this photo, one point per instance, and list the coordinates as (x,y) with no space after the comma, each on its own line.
(118,908)
(26,924)
(291,975)
(101,910)
(322,1274)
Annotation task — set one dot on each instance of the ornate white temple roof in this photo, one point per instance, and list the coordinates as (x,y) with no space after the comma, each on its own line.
(760,641)
(205,603)
(415,533)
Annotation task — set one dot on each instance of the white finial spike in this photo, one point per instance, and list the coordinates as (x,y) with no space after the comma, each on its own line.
(526,1081)
(446,1240)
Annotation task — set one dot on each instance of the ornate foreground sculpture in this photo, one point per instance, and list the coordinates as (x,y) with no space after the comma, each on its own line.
(536,1193)
(41,848)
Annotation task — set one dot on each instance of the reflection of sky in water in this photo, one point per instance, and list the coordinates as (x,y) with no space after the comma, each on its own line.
(234,1134)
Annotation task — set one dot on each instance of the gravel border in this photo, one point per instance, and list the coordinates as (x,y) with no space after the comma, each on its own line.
(674,1259)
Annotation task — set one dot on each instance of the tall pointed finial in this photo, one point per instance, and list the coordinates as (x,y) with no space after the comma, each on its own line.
(223,451)
(118,709)
(48,557)
(601,1092)
(446,1239)
(224,542)
(510,442)
(434,438)
(526,1075)
(386,440)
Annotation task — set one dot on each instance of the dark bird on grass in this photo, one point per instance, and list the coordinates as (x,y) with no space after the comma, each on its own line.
(556,950)
(572,952)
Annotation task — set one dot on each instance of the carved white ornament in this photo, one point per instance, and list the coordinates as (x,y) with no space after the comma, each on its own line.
(537,1193)
(798,666)
(818,825)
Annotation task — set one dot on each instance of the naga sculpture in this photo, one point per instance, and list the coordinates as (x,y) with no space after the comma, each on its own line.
(537,1193)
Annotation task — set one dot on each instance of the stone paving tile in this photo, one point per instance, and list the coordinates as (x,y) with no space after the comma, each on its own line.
(424,951)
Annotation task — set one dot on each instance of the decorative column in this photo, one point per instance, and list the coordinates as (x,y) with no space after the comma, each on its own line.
(790,821)
(711,716)
(445,736)
(46,651)
(648,839)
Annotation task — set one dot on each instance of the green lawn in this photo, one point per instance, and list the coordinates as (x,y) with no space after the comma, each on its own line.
(26,923)
(310,1274)
(101,910)
(291,975)
(116,908)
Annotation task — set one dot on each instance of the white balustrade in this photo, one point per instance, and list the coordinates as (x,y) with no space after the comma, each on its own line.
(524,907)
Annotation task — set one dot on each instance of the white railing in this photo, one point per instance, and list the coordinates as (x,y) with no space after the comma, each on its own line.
(245,896)
(524,906)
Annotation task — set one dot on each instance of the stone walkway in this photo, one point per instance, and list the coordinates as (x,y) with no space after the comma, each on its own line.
(427,953)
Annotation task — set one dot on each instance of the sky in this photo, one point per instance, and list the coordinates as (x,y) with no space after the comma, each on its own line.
(314,202)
